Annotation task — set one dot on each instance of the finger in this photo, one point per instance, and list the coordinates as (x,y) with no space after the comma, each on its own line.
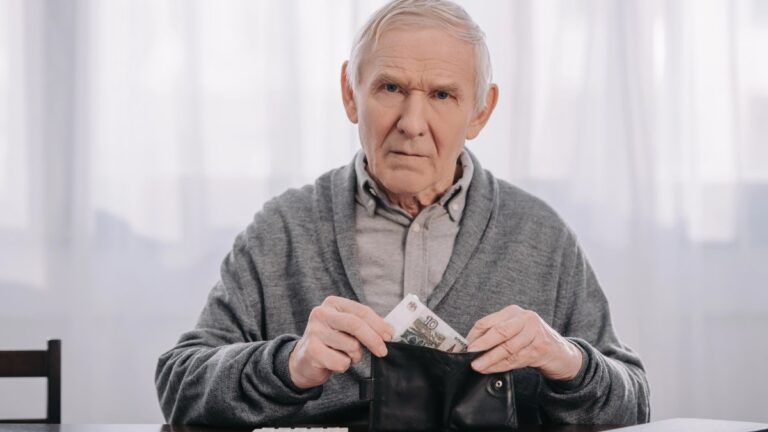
(475,332)
(522,359)
(359,329)
(484,324)
(344,343)
(505,350)
(331,359)
(499,333)
(365,313)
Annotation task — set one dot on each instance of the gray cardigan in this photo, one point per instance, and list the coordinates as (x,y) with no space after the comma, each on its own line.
(232,369)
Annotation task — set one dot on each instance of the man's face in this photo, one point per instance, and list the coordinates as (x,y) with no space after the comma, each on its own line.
(414,105)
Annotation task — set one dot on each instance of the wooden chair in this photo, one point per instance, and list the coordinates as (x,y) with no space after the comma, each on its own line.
(42,363)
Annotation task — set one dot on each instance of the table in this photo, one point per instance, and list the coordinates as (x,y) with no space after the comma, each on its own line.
(679,424)
(169,428)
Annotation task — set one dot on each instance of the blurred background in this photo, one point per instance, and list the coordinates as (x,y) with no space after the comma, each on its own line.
(138,137)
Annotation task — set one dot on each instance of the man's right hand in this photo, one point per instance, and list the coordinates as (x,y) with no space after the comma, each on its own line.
(333,341)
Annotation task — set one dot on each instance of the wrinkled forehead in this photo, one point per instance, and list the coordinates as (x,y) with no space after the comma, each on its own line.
(419,54)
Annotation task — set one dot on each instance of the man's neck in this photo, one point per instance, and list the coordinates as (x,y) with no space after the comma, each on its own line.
(413,204)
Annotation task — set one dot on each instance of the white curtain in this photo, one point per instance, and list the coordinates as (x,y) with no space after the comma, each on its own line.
(137,137)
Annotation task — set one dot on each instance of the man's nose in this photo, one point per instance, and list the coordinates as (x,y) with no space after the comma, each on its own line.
(413,119)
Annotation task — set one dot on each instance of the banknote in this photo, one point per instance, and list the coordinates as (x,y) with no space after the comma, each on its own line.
(415,324)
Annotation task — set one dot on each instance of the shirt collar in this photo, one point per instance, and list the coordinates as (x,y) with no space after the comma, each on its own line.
(371,197)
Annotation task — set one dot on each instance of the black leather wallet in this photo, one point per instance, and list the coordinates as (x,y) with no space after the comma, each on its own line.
(416,388)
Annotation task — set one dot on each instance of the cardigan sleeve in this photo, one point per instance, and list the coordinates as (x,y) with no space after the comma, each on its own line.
(223,372)
(611,387)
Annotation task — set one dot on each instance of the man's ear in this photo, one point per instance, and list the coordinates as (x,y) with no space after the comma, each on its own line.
(480,118)
(348,95)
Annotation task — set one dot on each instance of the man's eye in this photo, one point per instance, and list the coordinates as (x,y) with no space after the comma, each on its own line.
(392,88)
(442,95)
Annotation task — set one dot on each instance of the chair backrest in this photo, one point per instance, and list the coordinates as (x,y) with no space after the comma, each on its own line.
(42,363)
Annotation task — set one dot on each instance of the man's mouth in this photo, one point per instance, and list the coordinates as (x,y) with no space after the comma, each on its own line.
(402,153)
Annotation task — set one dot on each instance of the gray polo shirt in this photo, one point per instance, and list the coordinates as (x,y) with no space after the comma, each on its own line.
(398,254)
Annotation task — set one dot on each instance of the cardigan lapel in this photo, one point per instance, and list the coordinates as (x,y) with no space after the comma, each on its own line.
(334,209)
(481,198)
(341,202)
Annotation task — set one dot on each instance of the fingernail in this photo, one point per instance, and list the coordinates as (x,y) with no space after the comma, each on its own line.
(387,337)
(472,347)
(476,365)
(383,352)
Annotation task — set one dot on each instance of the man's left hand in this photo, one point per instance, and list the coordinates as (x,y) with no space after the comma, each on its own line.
(517,338)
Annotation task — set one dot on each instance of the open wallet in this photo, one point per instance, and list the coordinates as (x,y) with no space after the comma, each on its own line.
(415,388)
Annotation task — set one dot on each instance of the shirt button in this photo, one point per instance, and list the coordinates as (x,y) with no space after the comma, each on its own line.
(454,206)
(415,227)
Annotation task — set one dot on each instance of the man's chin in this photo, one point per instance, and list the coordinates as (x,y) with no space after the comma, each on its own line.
(402,185)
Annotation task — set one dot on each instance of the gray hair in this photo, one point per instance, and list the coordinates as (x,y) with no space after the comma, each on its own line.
(419,13)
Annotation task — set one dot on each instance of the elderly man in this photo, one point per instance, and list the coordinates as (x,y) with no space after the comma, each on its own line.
(285,335)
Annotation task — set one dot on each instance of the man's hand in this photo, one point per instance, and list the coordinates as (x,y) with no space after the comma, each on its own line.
(518,338)
(333,341)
